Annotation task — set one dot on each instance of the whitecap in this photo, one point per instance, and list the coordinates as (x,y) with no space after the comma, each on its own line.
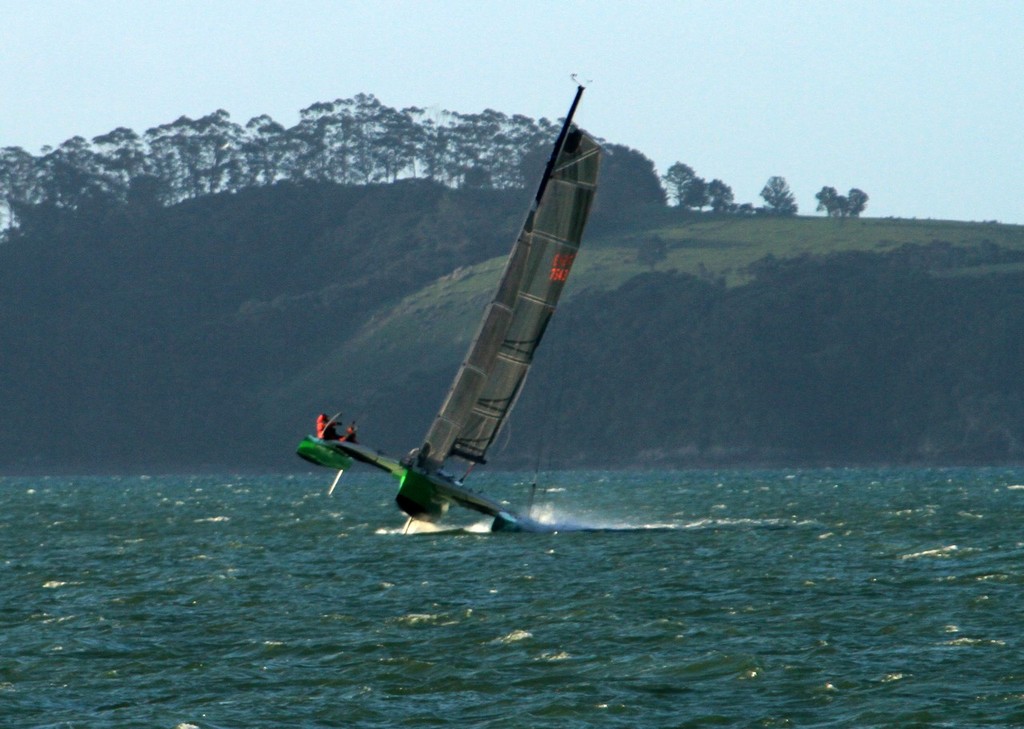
(514,637)
(213,519)
(998,577)
(551,657)
(416,618)
(937,552)
(974,642)
(425,619)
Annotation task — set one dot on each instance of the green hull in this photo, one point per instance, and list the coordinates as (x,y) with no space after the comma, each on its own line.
(418,494)
(418,497)
(324,453)
(421,495)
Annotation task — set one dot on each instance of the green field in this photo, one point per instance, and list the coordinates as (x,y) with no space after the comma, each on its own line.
(720,247)
(432,327)
(726,246)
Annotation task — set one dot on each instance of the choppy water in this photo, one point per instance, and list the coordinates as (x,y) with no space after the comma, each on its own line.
(840,598)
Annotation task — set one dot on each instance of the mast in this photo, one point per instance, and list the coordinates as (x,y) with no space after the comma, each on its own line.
(559,143)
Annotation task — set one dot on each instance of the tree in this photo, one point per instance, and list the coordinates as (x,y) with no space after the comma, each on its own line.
(828,201)
(858,201)
(384,144)
(122,155)
(696,194)
(19,177)
(688,190)
(196,157)
(628,179)
(778,198)
(841,206)
(720,197)
(677,178)
(269,152)
(71,175)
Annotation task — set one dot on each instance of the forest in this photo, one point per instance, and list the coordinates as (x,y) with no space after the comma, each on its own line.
(357,141)
(181,317)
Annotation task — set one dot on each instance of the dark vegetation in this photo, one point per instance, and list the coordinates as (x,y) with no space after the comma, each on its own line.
(199,317)
(847,358)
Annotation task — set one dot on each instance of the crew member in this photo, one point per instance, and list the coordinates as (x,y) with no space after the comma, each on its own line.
(325,428)
(350,433)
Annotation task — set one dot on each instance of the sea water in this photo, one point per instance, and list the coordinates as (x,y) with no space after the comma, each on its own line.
(734,598)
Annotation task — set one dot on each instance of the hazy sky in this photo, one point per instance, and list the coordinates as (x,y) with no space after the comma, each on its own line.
(920,104)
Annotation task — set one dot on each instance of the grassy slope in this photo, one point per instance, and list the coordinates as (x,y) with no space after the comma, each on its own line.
(429,330)
(718,247)
(726,246)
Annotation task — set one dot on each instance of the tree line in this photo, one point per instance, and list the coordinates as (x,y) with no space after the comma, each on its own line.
(353,141)
(689,191)
(357,141)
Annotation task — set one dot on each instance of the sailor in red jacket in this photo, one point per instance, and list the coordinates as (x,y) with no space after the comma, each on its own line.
(325,427)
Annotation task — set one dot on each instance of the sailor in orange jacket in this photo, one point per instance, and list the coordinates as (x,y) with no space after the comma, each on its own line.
(325,428)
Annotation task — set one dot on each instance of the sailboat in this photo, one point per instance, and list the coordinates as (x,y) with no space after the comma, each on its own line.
(492,374)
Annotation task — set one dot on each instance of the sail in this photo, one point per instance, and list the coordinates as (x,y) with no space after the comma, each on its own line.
(499,358)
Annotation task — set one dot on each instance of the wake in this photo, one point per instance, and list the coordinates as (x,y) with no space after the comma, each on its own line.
(548,519)
(551,520)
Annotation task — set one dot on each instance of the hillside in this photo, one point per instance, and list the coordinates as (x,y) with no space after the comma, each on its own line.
(207,335)
(816,289)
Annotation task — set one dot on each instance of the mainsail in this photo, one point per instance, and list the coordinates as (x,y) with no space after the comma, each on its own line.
(499,358)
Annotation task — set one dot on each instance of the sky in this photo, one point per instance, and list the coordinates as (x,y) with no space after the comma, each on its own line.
(919,104)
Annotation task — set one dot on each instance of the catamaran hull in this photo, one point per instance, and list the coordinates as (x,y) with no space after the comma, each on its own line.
(422,495)
(419,496)
(324,453)
(508,522)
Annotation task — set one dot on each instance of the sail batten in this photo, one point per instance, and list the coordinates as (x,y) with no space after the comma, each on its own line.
(492,374)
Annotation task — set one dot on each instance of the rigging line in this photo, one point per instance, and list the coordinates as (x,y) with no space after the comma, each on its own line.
(559,365)
(506,432)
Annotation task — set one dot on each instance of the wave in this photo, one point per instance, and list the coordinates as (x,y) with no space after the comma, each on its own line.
(939,552)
